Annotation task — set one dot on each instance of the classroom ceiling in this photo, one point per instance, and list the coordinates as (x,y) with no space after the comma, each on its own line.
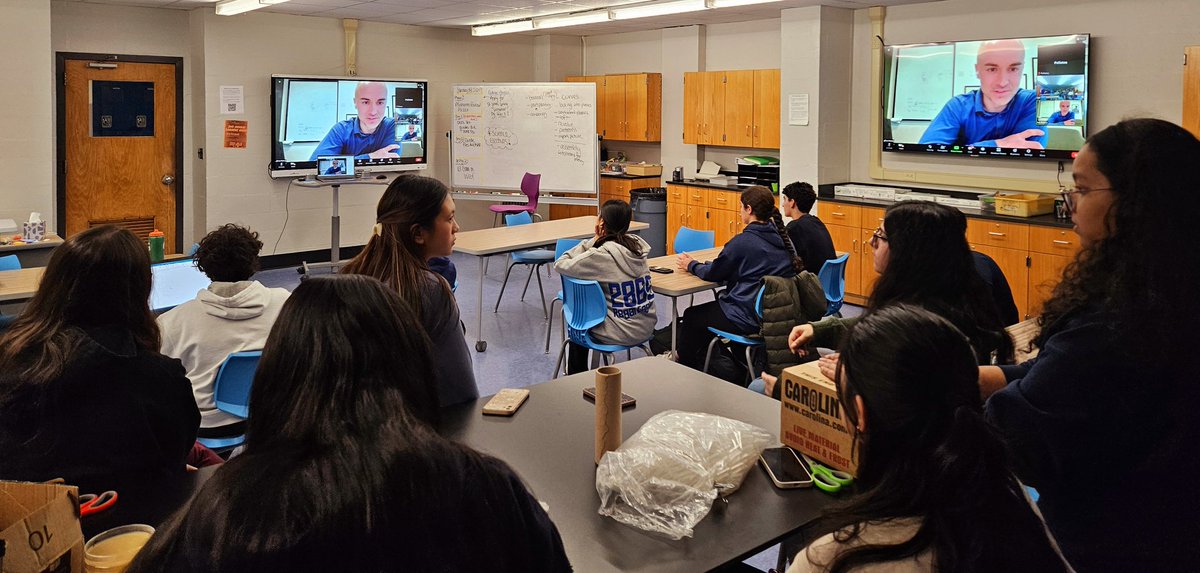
(466,13)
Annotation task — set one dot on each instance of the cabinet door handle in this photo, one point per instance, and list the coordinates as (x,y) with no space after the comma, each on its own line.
(854,246)
(1059,242)
(995,234)
(747,130)
(836,214)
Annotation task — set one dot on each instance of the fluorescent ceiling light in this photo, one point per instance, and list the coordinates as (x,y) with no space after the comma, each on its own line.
(732,3)
(231,7)
(502,28)
(560,20)
(658,9)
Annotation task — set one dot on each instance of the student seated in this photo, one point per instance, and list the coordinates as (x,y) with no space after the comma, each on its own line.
(935,491)
(1104,422)
(414,223)
(232,315)
(923,258)
(617,260)
(341,472)
(809,236)
(84,393)
(762,248)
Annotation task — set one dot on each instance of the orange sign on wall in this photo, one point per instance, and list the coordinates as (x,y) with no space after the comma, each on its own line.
(235,133)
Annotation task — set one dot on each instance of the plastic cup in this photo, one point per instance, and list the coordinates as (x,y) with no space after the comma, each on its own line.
(113,550)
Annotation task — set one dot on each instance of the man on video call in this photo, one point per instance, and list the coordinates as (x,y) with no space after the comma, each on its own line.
(412,134)
(999,113)
(372,135)
(335,168)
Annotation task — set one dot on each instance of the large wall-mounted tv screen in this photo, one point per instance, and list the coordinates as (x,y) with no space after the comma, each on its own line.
(1011,97)
(381,122)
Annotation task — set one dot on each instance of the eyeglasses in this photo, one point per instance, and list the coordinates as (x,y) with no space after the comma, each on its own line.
(878,236)
(1069,193)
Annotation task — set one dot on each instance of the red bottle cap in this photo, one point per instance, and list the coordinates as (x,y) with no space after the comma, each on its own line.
(156,233)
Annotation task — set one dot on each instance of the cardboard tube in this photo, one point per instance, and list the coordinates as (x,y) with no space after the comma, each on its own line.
(608,410)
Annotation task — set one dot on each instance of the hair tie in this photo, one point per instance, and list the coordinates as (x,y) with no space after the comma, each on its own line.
(377,230)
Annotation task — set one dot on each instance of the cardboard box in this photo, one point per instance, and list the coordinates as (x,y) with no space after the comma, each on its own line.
(643,169)
(39,524)
(812,420)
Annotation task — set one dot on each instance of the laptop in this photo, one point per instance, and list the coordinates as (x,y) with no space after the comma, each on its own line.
(334,167)
(175,283)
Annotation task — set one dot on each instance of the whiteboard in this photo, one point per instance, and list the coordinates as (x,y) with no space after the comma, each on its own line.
(924,81)
(311,109)
(501,131)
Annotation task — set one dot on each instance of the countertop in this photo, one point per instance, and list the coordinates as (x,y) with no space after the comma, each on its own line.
(706,184)
(1047,220)
(627,176)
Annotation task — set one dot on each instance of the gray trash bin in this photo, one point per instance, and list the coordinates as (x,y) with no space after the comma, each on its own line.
(650,207)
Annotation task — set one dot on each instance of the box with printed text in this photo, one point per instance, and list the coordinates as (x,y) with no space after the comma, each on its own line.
(39,525)
(812,419)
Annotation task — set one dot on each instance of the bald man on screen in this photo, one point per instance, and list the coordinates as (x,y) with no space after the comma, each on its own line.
(371,135)
(998,114)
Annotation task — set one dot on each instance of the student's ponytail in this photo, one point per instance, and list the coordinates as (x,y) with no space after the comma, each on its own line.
(777,222)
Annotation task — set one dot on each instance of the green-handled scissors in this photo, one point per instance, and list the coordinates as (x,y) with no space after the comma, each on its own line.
(828,480)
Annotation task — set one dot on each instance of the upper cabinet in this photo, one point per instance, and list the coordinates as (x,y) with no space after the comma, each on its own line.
(733,108)
(628,106)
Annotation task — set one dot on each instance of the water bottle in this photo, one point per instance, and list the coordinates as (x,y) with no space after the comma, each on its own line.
(157,242)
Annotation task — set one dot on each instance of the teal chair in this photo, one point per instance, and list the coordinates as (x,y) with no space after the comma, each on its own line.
(750,342)
(833,281)
(10,263)
(692,240)
(584,307)
(533,258)
(231,389)
(562,246)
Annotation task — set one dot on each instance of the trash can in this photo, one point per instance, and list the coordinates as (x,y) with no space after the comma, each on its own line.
(650,207)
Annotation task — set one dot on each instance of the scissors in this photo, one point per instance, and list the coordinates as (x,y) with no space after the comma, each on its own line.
(90,503)
(828,480)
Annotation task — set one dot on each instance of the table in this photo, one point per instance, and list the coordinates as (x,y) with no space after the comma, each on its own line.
(549,442)
(150,503)
(484,243)
(33,254)
(680,283)
(20,284)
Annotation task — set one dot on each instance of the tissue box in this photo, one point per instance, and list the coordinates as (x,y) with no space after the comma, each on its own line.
(33,232)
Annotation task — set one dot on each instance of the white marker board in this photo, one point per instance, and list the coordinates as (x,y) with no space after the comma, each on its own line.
(925,81)
(501,131)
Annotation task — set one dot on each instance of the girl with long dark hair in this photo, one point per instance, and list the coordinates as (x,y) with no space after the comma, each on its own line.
(617,260)
(84,393)
(414,223)
(341,473)
(935,489)
(1104,421)
(762,248)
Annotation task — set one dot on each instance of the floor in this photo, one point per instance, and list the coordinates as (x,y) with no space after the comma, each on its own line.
(516,334)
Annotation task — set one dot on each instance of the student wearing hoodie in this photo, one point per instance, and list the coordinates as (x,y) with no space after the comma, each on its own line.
(233,314)
(762,248)
(617,260)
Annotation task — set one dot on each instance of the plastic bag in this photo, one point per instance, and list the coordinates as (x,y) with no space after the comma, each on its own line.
(666,476)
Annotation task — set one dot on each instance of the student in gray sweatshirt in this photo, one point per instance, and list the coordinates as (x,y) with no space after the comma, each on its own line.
(617,260)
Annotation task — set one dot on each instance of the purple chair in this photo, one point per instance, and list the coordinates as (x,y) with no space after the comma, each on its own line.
(530,184)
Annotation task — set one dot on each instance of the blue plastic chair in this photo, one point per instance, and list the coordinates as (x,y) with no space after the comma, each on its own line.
(750,342)
(562,246)
(6,320)
(585,306)
(192,251)
(231,389)
(10,263)
(833,281)
(534,259)
(692,240)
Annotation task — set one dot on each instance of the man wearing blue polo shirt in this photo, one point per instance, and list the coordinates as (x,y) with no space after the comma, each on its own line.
(1064,116)
(372,135)
(999,113)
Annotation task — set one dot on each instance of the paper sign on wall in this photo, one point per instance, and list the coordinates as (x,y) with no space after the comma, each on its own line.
(233,100)
(798,109)
(235,133)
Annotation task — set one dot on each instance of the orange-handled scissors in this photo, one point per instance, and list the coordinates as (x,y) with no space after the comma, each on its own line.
(90,503)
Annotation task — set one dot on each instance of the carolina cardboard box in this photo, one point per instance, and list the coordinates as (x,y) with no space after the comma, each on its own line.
(812,420)
(39,525)
(643,169)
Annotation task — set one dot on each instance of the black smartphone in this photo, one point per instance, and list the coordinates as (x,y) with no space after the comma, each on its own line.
(661,270)
(786,468)
(627,401)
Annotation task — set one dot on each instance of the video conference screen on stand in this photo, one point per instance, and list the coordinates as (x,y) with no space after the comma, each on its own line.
(1012,97)
(380,123)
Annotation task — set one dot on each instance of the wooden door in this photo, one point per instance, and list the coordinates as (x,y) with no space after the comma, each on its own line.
(636,107)
(846,240)
(614,107)
(1013,264)
(1045,272)
(120,148)
(1191,89)
(766,109)
(713,109)
(739,108)
(693,113)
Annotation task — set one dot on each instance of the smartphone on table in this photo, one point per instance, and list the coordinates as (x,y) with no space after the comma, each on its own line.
(627,401)
(786,468)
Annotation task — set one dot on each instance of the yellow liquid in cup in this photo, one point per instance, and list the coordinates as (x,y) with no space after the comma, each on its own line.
(113,550)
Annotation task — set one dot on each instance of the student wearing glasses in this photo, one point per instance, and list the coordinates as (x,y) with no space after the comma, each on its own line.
(1104,421)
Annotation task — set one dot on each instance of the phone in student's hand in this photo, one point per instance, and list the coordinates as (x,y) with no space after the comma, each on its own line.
(627,401)
(786,468)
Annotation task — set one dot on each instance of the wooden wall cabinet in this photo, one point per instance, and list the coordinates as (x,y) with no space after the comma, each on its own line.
(628,106)
(1191,89)
(732,108)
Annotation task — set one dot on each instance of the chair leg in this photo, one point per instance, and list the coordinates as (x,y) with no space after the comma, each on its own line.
(749,364)
(532,270)
(502,285)
(542,292)
(708,354)
(628,354)
(550,325)
(562,353)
